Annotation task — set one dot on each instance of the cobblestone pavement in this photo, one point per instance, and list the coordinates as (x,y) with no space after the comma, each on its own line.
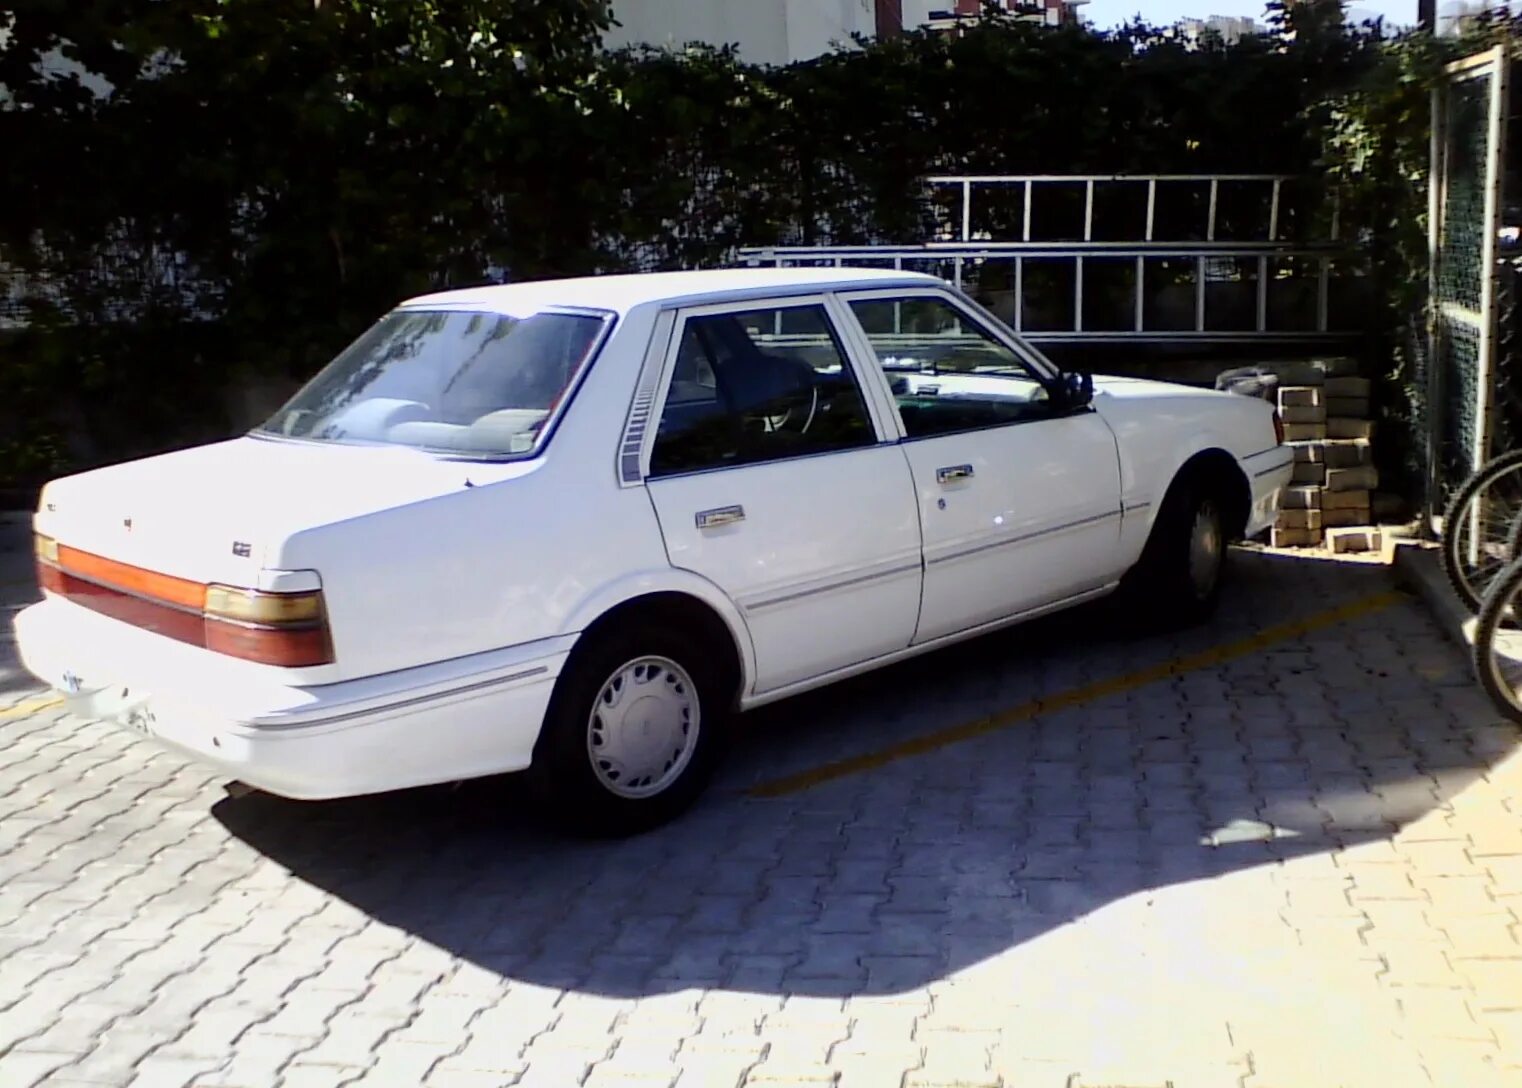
(1298,866)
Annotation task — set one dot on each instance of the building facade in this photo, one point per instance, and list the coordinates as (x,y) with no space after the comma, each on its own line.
(949,15)
(1229,29)
(765,31)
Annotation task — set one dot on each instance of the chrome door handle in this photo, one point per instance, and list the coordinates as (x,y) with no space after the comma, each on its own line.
(722,515)
(952,473)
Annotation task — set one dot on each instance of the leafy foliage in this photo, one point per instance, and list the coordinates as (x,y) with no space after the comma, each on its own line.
(265,177)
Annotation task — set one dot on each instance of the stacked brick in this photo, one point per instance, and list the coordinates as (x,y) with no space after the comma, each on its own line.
(1327,423)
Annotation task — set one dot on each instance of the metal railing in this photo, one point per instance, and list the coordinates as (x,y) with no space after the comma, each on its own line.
(1213,260)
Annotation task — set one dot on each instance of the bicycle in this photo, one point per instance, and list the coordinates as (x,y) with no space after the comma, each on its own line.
(1482,528)
(1497,650)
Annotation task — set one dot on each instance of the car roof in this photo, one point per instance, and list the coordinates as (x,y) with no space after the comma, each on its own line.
(622,293)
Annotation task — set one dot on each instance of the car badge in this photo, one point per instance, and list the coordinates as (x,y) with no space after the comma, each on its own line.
(72,683)
(127,524)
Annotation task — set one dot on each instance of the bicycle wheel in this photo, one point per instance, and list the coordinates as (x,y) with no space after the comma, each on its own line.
(1482,528)
(1497,651)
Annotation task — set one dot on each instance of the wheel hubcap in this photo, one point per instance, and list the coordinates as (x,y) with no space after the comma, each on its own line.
(1205,550)
(643,727)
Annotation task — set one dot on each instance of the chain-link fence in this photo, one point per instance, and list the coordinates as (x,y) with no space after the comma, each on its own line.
(1471,402)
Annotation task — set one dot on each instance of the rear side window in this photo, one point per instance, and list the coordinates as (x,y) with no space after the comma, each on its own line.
(758,385)
(455,382)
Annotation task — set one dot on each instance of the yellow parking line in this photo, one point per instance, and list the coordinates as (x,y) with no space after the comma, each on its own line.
(31,706)
(942,738)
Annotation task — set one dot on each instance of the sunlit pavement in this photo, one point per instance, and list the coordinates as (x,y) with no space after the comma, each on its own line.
(1284,849)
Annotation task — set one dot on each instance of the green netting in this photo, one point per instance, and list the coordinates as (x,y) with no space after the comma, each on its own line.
(1460,275)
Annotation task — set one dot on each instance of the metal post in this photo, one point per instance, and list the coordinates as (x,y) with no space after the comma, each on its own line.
(1210,225)
(1199,294)
(957,275)
(1437,172)
(1141,291)
(1088,210)
(1273,213)
(1151,205)
(966,212)
(898,306)
(1019,293)
(1025,231)
(1078,295)
(1262,294)
(1485,402)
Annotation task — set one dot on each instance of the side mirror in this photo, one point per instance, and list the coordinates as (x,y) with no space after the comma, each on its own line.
(1074,390)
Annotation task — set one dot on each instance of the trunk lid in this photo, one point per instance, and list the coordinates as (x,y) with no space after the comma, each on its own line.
(214,513)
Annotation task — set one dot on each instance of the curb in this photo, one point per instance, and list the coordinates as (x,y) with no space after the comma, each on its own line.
(1418,568)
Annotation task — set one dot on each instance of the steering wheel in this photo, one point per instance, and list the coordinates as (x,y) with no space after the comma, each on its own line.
(781,422)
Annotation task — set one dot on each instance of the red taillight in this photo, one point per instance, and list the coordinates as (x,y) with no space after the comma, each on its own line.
(292,648)
(1278,429)
(285,629)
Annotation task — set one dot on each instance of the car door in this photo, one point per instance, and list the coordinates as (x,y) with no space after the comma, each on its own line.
(1019,503)
(771,477)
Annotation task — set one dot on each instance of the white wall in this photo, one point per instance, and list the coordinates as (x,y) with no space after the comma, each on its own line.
(817,26)
(917,12)
(767,31)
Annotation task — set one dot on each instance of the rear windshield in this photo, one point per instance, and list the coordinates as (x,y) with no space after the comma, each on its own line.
(449,381)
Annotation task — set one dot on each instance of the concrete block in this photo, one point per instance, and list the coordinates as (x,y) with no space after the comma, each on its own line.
(1362,478)
(1349,428)
(1249,381)
(1345,516)
(1303,473)
(1307,452)
(1295,538)
(1348,407)
(1300,498)
(1300,396)
(1311,413)
(1345,453)
(1298,519)
(1344,500)
(1311,371)
(1304,432)
(1353,540)
(1346,386)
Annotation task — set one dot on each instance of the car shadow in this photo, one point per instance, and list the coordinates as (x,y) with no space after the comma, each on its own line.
(889,879)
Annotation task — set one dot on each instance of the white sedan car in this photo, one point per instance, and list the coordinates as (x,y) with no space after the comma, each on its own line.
(569,526)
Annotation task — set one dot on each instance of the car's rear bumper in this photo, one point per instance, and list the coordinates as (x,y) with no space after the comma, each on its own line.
(1268,474)
(435,723)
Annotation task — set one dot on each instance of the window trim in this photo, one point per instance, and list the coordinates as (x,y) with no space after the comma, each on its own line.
(673,344)
(1042,368)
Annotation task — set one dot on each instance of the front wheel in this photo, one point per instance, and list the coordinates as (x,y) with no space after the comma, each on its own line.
(1179,576)
(632,734)
(1497,650)
(1482,528)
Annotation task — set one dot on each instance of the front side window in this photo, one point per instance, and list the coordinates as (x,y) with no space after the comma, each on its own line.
(463,383)
(946,371)
(758,385)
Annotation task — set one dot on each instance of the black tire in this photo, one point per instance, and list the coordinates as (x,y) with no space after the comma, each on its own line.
(1162,586)
(1497,624)
(1471,580)
(563,774)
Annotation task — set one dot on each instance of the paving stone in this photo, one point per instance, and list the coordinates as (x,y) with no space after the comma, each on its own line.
(951,909)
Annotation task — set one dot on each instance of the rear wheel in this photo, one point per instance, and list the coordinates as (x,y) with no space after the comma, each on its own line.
(633,731)
(1179,576)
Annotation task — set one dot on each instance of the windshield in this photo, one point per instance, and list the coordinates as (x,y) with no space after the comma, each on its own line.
(449,381)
